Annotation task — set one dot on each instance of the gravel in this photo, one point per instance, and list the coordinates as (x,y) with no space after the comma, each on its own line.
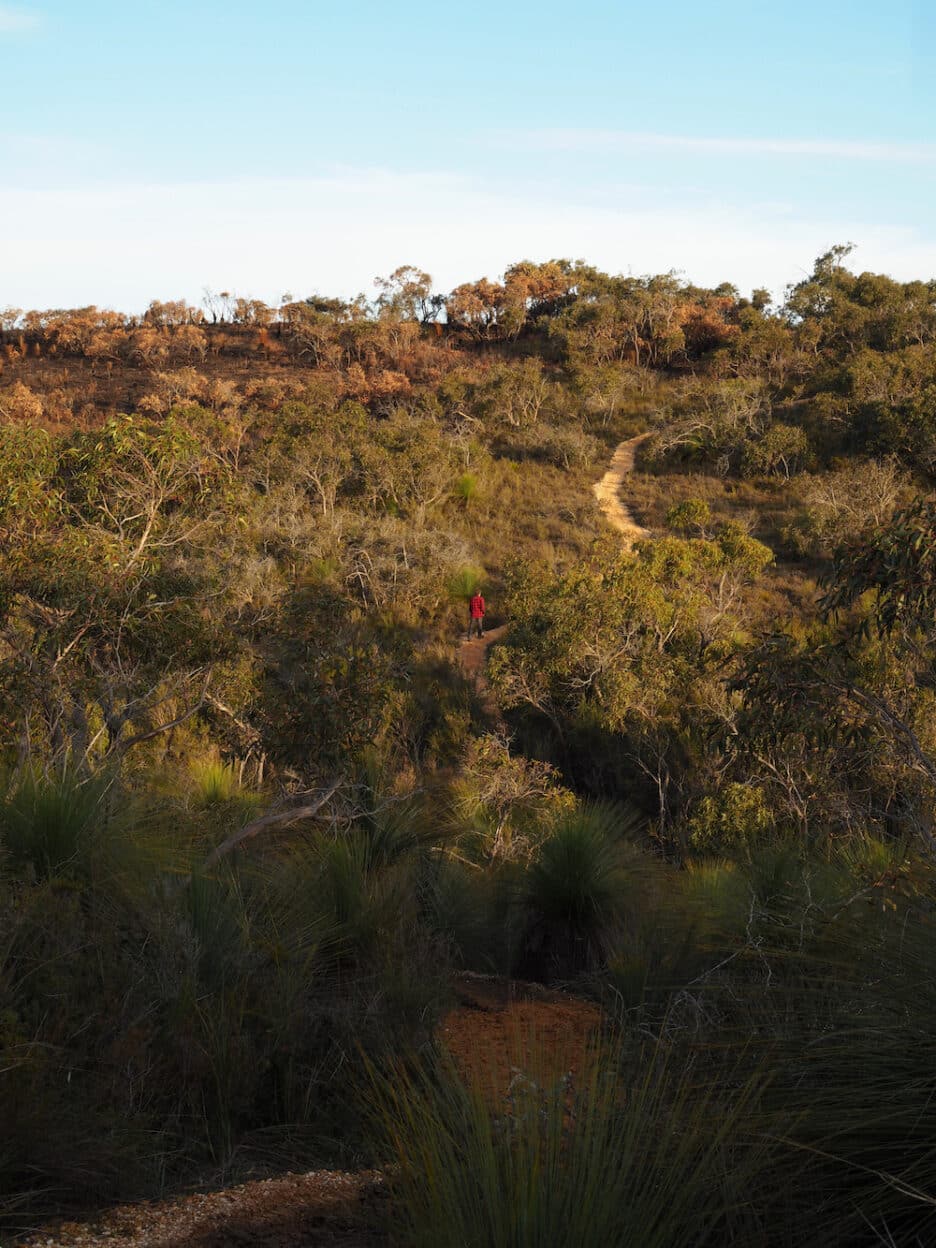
(323,1207)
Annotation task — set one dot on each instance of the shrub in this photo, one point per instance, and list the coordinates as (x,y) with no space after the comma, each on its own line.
(781,451)
(503,804)
(733,819)
(692,515)
(843,505)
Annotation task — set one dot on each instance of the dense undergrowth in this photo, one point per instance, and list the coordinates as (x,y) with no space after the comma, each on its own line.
(254,816)
(765,1078)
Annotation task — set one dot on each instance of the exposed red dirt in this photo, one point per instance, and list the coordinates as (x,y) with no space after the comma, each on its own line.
(501,1030)
(472,655)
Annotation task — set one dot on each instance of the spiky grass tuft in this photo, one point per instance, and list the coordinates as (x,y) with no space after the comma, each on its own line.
(624,1152)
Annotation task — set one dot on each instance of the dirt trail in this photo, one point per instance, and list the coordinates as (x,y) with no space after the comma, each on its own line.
(502,1029)
(608,492)
(472,655)
(499,1032)
(322,1209)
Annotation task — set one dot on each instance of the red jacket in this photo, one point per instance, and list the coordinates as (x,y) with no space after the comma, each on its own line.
(476,607)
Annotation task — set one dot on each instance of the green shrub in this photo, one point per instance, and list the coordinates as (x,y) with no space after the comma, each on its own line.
(504,804)
(692,515)
(733,819)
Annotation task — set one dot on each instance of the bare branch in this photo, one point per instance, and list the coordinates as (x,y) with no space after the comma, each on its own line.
(878,706)
(269,821)
(248,730)
(173,723)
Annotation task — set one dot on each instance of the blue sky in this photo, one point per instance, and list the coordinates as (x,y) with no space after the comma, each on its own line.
(152,149)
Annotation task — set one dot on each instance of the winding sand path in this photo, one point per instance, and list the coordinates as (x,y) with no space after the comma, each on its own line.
(473,654)
(608,492)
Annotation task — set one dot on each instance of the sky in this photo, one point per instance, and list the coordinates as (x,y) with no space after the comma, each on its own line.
(153,149)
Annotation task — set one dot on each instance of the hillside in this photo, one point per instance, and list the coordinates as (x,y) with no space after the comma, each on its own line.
(265,812)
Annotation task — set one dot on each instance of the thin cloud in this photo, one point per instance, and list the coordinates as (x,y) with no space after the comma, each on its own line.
(14,21)
(587,140)
(121,246)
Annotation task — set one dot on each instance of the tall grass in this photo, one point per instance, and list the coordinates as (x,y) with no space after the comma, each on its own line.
(465,582)
(214,782)
(851,1023)
(154,1019)
(578,889)
(55,824)
(821,971)
(627,1152)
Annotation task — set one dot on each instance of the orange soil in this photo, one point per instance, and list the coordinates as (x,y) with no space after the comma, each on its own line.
(501,1031)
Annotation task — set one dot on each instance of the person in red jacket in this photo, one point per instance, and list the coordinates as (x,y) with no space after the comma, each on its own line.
(476,614)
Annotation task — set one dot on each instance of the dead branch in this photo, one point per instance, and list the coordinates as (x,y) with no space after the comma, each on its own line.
(268,821)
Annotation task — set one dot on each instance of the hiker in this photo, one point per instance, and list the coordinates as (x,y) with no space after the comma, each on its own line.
(476,614)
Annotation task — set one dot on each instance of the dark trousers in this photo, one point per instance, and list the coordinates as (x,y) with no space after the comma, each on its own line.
(476,621)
